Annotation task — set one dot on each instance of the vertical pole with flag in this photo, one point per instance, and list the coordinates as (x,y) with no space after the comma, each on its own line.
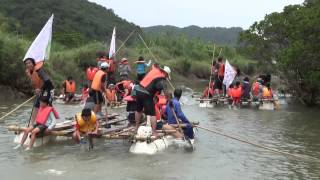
(229,74)
(40,47)
(112,50)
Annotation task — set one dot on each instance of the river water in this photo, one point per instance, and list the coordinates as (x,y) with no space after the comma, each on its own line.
(293,129)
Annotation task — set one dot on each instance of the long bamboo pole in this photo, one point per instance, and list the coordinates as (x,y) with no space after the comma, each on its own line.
(214,49)
(17,107)
(257,145)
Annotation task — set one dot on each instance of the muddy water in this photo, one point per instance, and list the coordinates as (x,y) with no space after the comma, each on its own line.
(292,129)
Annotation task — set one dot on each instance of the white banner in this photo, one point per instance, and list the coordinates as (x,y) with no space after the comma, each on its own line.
(112,50)
(229,74)
(40,47)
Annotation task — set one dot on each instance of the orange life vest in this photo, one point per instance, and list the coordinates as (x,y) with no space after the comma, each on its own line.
(266,93)
(255,89)
(91,71)
(153,74)
(96,82)
(70,86)
(43,114)
(111,95)
(229,92)
(221,70)
(36,81)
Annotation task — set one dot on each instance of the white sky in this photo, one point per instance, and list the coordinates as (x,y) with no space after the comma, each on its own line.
(203,13)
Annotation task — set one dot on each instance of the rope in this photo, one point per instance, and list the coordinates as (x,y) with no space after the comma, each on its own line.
(258,145)
(155,59)
(125,41)
(17,107)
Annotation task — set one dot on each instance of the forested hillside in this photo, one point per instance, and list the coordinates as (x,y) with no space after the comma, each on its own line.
(288,43)
(76,21)
(220,35)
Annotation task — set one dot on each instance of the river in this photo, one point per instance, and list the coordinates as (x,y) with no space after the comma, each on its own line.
(293,129)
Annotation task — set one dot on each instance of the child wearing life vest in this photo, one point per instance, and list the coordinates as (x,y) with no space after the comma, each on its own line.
(86,124)
(267,92)
(208,92)
(69,89)
(45,120)
(160,101)
(236,94)
(111,95)
(84,93)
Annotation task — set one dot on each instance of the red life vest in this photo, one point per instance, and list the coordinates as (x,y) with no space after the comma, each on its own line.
(43,114)
(85,93)
(236,92)
(91,71)
(255,89)
(153,74)
(112,65)
(221,70)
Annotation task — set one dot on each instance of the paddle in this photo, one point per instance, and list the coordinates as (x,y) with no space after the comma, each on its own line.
(17,107)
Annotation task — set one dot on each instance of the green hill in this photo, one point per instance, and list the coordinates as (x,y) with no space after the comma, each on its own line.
(220,35)
(76,21)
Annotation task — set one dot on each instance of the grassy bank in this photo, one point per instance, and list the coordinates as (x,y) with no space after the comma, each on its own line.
(189,60)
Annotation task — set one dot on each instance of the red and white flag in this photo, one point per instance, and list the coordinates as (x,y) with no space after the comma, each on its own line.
(229,74)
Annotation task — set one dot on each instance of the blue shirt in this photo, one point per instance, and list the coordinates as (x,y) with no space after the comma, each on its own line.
(177,110)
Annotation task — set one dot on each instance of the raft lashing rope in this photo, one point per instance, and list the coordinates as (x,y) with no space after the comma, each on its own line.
(305,157)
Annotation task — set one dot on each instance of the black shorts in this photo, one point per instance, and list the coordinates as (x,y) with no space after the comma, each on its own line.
(37,100)
(41,127)
(69,95)
(140,76)
(145,101)
(97,97)
(218,82)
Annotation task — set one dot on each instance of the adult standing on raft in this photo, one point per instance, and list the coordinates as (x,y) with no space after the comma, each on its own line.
(41,82)
(151,84)
(98,87)
(219,70)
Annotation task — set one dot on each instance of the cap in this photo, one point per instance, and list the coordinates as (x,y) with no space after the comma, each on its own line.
(104,65)
(124,59)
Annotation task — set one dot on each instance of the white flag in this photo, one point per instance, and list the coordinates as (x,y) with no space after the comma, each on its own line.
(40,47)
(229,74)
(112,50)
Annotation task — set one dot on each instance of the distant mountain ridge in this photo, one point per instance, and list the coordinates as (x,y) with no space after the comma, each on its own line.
(219,35)
(75,23)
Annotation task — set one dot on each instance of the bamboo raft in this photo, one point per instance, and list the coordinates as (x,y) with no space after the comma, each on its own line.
(119,129)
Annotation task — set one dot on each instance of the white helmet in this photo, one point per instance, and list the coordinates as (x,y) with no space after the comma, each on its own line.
(167,70)
(104,65)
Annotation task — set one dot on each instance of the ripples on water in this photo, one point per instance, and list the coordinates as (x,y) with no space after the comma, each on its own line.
(292,129)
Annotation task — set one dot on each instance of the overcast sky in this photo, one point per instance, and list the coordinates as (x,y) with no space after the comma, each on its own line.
(204,13)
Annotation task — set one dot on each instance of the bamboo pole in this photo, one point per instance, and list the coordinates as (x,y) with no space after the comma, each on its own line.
(155,59)
(258,145)
(214,49)
(17,107)
(125,41)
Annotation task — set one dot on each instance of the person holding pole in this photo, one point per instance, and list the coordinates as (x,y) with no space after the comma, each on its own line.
(41,82)
(176,116)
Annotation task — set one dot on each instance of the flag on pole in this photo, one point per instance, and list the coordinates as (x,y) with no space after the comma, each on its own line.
(40,47)
(112,50)
(229,74)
